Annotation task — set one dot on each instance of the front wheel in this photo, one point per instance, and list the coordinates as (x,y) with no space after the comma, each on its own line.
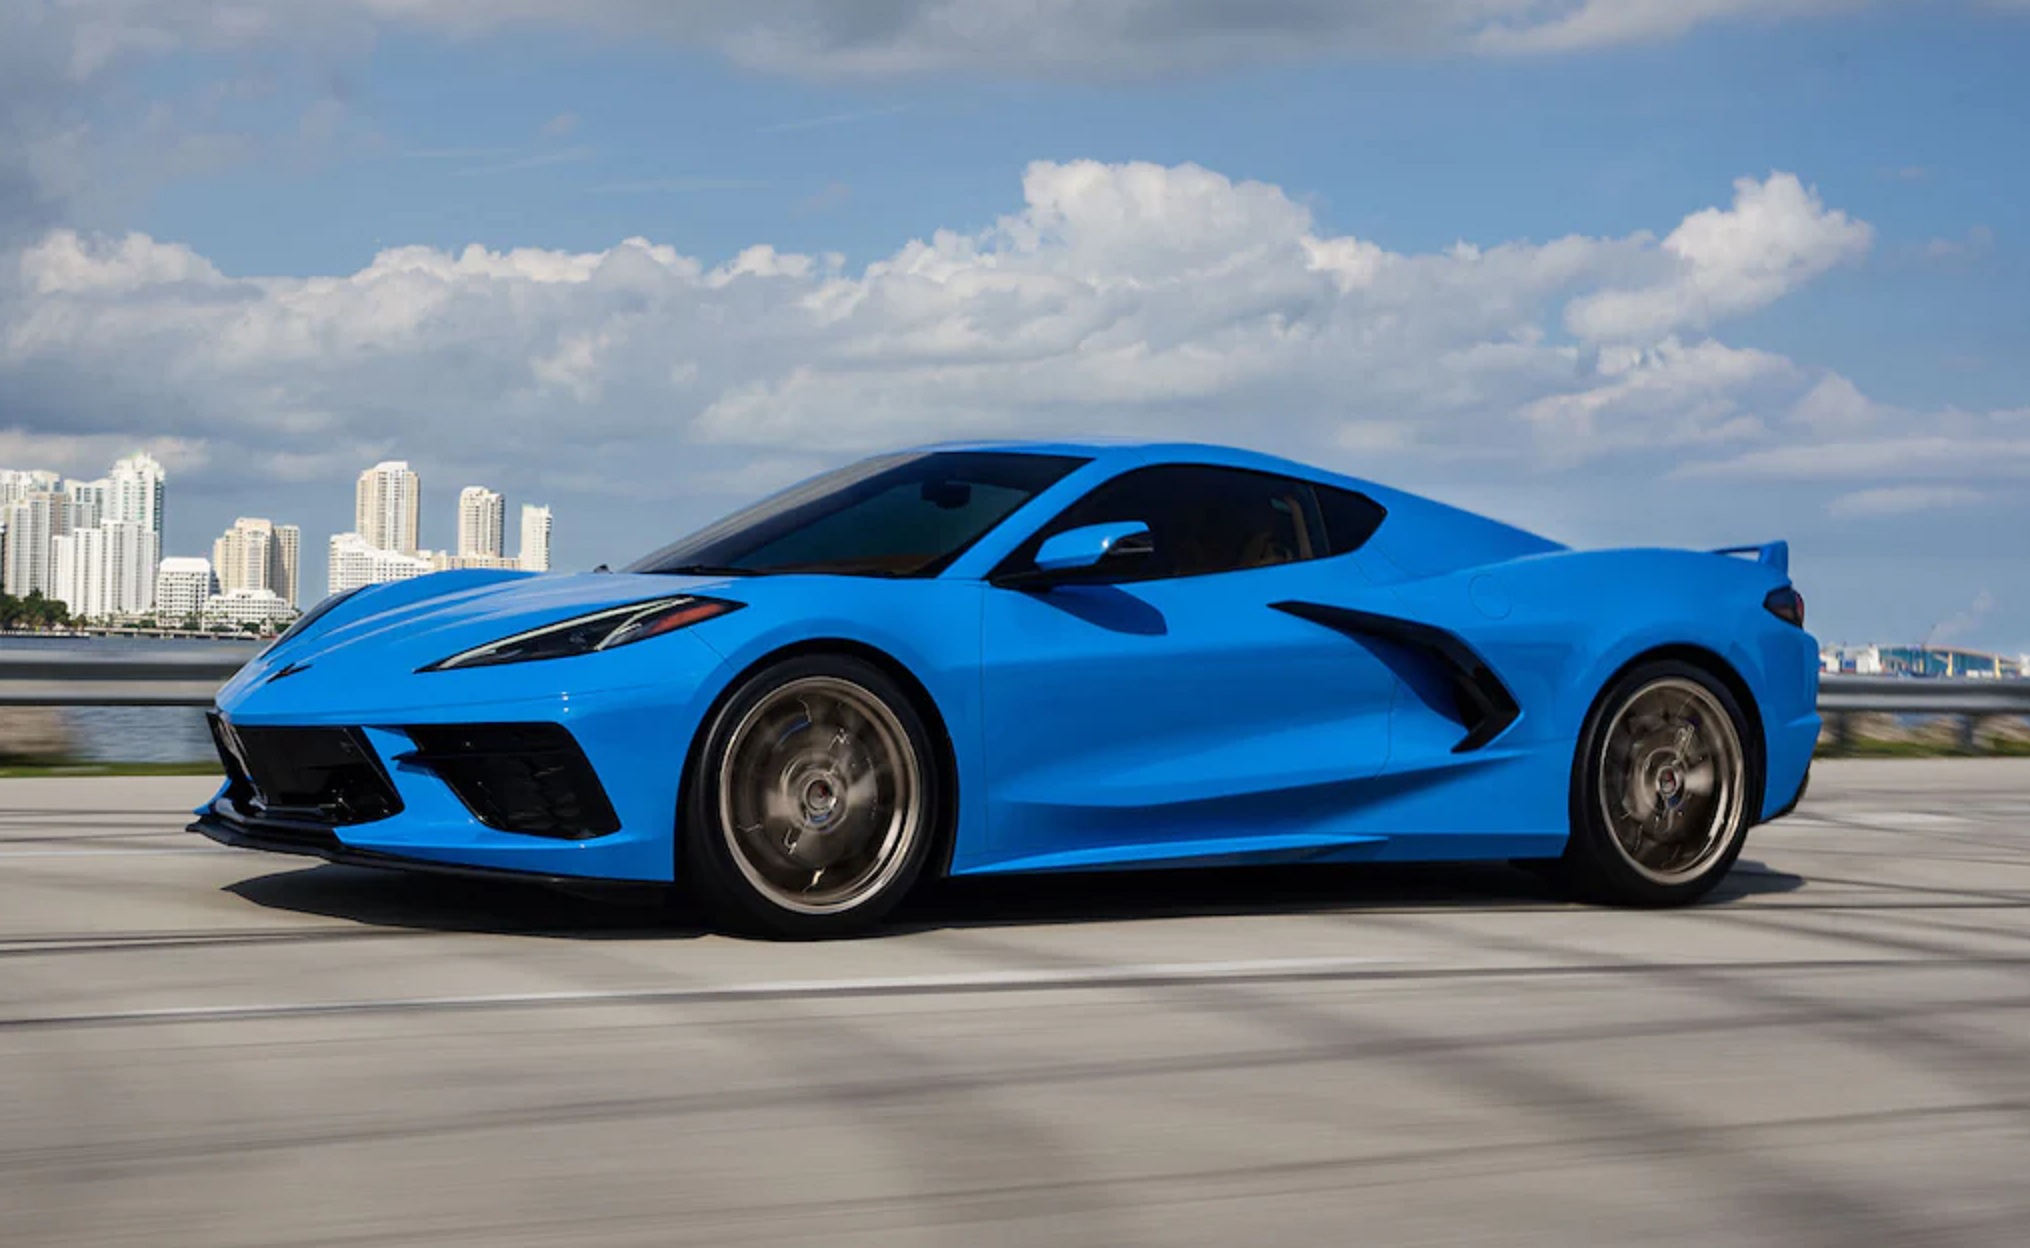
(1664,788)
(812,806)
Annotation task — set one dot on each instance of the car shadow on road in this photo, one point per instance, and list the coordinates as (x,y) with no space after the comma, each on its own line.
(401,900)
(445,903)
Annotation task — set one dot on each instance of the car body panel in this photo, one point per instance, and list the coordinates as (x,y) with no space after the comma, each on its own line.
(1190,720)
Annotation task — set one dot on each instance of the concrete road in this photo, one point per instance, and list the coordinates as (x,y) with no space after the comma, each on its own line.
(202,1046)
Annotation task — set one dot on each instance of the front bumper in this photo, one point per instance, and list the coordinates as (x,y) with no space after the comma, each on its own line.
(632,733)
(225,823)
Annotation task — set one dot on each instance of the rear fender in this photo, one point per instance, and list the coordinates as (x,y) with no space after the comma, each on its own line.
(1557,627)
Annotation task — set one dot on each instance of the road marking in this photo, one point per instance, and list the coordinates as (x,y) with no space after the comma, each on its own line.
(1296,970)
(115,853)
(1123,976)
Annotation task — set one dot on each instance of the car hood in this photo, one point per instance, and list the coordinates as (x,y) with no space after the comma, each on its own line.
(392,630)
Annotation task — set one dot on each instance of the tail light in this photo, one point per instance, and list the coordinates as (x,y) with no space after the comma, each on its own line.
(1786,604)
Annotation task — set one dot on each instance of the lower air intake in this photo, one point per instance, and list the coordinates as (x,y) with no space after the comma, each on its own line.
(529,778)
(311,775)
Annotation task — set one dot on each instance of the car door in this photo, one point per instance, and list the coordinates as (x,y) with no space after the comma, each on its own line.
(1175,712)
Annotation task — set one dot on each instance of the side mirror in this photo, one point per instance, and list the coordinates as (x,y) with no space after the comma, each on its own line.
(1092,552)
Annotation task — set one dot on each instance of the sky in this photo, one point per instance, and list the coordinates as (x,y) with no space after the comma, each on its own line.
(1671,272)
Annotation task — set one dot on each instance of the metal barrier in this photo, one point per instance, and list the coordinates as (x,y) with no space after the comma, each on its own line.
(1901,695)
(177,674)
(82,674)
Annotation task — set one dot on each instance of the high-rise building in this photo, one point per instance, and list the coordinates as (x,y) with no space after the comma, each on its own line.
(534,554)
(134,492)
(93,545)
(354,562)
(244,555)
(16,484)
(285,563)
(482,514)
(89,501)
(385,507)
(67,578)
(134,496)
(182,587)
(27,565)
(106,570)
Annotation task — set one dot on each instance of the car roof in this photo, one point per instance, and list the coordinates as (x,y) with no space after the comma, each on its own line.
(1123,453)
(1116,456)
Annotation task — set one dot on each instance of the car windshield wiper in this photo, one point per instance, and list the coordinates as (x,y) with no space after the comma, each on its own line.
(704,569)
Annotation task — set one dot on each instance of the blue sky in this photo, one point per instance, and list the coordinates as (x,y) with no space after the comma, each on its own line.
(260,149)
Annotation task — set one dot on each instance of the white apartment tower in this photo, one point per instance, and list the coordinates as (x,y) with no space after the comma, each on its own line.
(90,502)
(244,554)
(106,570)
(285,563)
(91,544)
(182,587)
(257,553)
(482,515)
(134,492)
(385,507)
(16,485)
(355,562)
(535,548)
(27,562)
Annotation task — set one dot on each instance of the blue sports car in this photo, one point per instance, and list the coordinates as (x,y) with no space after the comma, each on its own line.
(1039,657)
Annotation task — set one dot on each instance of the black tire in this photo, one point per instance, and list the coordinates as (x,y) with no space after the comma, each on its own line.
(1661,805)
(820,763)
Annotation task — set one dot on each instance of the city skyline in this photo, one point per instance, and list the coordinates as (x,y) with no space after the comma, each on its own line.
(97,545)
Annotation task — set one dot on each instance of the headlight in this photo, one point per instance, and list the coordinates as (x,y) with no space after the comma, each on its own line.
(603,630)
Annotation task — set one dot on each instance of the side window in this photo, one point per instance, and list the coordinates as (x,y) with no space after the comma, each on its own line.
(1350,519)
(1202,519)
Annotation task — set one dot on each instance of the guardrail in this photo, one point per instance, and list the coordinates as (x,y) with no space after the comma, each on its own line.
(1969,700)
(172,674)
(1912,695)
(188,675)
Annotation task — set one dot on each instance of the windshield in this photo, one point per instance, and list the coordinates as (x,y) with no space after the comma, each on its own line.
(896,515)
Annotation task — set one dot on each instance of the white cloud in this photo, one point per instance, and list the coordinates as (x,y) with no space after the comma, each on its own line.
(1104,37)
(1978,241)
(1132,298)
(641,390)
(1901,500)
(1009,37)
(1723,262)
(1964,622)
(1581,24)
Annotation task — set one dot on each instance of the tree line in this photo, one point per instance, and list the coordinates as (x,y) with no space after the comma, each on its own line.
(34,611)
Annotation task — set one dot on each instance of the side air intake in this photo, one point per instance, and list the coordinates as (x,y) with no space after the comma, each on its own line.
(1484,705)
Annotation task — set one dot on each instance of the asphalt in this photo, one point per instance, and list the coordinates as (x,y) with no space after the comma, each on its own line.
(202,1046)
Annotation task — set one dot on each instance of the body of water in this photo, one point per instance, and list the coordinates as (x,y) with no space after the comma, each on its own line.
(133,734)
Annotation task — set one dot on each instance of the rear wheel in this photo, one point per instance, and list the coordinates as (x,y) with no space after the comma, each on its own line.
(813,804)
(1664,788)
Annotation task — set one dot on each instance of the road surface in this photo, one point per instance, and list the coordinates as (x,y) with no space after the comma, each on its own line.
(201,1046)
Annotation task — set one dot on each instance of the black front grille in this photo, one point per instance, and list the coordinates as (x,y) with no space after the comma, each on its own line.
(529,778)
(326,776)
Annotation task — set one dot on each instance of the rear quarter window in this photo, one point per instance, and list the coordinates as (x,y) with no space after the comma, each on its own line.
(1350,518)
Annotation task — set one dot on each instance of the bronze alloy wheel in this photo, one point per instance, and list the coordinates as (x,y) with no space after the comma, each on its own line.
(1672,780)
(820,795)
(1666,782)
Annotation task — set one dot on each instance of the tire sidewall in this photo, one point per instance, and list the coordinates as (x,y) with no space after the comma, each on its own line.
(706,872)
(1594,857)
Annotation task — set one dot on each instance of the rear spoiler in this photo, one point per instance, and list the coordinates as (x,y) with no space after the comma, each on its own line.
(1773,555)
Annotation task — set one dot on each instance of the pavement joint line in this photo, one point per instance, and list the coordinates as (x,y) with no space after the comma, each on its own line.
(1126,975)
(96,852)
(1150,975)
